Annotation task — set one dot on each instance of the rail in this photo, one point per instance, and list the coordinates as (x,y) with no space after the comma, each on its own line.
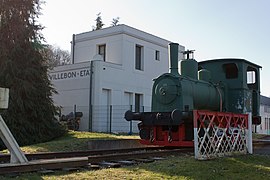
(60,160)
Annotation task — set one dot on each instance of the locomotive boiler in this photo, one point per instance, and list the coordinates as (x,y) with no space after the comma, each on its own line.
(225,85)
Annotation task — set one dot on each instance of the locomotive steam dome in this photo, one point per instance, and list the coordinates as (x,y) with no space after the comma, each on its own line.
(189,66)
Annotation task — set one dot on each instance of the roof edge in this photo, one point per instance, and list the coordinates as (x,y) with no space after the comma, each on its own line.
(231,59)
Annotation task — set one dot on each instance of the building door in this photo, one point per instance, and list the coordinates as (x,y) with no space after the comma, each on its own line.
(105,107)
(128,100)
(138,103)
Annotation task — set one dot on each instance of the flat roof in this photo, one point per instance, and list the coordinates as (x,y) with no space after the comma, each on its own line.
(230,59)
(265,100)
(122,29)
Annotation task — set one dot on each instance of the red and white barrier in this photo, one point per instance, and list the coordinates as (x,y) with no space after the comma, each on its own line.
(220,133)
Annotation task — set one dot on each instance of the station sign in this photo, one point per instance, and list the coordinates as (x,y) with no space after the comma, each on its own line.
(73,74)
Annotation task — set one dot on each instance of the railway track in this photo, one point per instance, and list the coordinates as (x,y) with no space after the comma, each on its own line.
(51,155)
(87,159)
(93,158)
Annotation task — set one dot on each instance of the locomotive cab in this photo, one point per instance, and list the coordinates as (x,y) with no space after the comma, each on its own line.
(242,80)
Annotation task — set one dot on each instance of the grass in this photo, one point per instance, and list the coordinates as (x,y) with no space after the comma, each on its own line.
(76,140)
(174,167)
(258,136)
(72,141)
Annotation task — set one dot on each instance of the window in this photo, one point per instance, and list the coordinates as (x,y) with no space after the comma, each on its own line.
(157,55)
(139,57)
(102,51)
(138,102)
(231,70)
(266,123)
(266,109)
(251,78)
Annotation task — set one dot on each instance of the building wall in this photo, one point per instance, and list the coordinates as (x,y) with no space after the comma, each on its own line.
(264,128)
(85,50)
(72,83)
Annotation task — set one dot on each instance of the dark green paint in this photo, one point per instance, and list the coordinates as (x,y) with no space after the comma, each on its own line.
(222,85)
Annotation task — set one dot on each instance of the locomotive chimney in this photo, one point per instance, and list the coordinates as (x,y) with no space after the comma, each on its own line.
(173,58)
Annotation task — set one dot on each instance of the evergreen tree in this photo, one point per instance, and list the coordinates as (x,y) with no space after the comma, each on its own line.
(99,23)
(23,70)
(115,21)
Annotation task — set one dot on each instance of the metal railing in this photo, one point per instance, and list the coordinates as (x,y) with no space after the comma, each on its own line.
(109,119)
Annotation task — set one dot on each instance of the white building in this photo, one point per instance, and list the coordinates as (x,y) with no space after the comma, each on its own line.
(121,76)
(264,128)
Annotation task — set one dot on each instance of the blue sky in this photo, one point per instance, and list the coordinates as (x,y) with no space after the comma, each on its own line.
(214,28)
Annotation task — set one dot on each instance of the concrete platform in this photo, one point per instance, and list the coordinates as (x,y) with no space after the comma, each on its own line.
(115,144)
(263,150)
(261,146)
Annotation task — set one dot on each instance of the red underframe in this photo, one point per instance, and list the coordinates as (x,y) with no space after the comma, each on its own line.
(223,119)
(161,138)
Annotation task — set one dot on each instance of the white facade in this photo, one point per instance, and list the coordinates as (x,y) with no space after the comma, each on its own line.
(119,82)
(264,128)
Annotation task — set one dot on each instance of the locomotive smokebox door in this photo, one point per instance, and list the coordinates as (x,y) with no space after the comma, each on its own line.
(4,96)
